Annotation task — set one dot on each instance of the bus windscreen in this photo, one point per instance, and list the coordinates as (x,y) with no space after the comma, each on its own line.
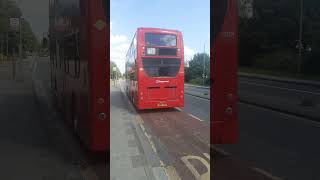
(152,39)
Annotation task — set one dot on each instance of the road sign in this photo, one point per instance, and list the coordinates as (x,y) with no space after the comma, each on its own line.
(14,24)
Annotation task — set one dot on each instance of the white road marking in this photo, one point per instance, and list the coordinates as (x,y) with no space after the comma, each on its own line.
(195,117)
(265,173)
(193,170)
(207,155)
(179,109)
(282,88)
(221,151)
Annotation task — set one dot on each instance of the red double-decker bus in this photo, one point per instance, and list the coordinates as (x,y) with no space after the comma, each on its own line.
(224,120)
(155,69)
(79,51)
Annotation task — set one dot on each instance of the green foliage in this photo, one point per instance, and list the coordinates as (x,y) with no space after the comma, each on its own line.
(9,9)
(193,73)
(114,74)
(278,61)
(268,40)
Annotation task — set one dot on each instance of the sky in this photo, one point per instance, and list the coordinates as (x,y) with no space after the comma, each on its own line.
(191,17)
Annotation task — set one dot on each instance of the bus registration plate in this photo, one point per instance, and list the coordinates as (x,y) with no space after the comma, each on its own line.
(162,105)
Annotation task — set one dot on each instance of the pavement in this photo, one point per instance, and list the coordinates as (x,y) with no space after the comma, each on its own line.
(197,91)
(93,166)
(131,154)
(29,146)
(35,141)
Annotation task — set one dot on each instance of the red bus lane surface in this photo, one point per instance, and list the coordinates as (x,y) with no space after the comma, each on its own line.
(181,141)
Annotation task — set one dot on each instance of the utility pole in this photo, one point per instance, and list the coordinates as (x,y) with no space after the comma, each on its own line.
(204,65)
(300,37)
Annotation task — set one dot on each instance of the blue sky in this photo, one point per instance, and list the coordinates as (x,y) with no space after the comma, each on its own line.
(191,17)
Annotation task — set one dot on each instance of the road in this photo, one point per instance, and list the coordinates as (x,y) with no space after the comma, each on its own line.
(282,144)
(198,107)
(300,100)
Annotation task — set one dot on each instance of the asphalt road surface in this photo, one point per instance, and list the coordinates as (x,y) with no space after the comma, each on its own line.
(197,106)
(301,100)
(281,144)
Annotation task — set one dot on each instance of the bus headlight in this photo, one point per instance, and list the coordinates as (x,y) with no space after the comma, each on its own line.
(151,51)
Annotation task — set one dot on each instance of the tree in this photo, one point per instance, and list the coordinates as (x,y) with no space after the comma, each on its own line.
(268,39)
(113,73)
(194,72)
(8,9)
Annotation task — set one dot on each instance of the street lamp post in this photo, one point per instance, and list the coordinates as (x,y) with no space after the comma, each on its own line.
(204,66)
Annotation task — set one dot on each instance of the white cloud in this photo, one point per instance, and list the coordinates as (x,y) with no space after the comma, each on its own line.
(115,39)
(188,53)
(119,47)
